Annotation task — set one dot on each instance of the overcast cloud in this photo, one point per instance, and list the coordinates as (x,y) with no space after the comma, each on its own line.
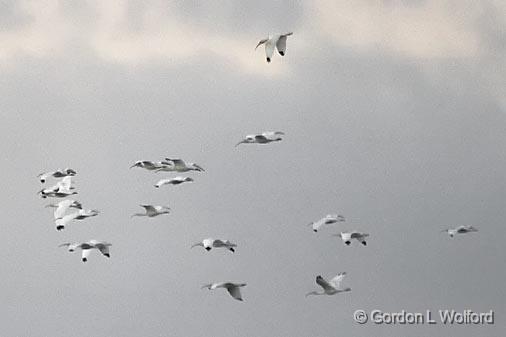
(394,114)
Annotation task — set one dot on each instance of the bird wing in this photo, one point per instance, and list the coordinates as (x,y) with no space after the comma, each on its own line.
(323,283)
(149,209)
(235,292)
(336,280)
(66,219)
(178,163)
(261,42)
(281,44)
(223,243)
(103,248)
(83,214)
(198,167)
(260,138)
(272,134)
(62,208)
(269,49)
(65,184)
(356,235)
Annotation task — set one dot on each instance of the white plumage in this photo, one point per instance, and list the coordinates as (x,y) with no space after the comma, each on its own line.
(262,138)
(327,220)
(348,236)
(148,165)
(79,215)
(179,165)
(459,230)
(232,288)
(210,243)
(61,189)
(86,248)
(56,174)
(62,207)
(275,41)
(152,211)
(330,287)
(173,181)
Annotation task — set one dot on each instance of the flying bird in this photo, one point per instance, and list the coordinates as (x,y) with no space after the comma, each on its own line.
(327,220)
(173,181)
(278,41)
(148,165)
(86,248)
(79,215)
(56,174)
(178,165)
(330,287)
(348,236)
(62,189)
(152,211)
(232,288)
(459,230)
(211,243)
(63,206)
(262,138)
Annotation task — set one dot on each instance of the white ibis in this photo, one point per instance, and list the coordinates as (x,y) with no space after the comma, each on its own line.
(278,41)
(86,248)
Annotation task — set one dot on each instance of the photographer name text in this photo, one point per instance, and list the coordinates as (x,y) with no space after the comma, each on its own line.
(403,317)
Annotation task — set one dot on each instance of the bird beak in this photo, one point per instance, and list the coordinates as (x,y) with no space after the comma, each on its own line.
(259,43)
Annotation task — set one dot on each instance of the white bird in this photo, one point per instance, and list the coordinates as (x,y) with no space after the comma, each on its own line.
(179,165)
(152,211)
(232,288)
(148,165)
(63,206)
(459,230)
(262,138)
(327,220)
(56,174)
(211,243)
(278,41)
(62,189)
(86,248)
(348,236)
(331,287)
(174,181)
(79,215)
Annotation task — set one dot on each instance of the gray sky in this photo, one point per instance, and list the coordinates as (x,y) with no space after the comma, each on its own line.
(394,114)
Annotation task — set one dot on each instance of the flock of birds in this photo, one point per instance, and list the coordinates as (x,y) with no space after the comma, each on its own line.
(68,210)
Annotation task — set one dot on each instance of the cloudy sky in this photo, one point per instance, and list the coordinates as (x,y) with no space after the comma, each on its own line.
(394,114)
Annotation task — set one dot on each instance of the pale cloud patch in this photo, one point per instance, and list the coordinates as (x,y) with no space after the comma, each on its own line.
(159,35)
(44,34)
(162,36)
(424,29)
